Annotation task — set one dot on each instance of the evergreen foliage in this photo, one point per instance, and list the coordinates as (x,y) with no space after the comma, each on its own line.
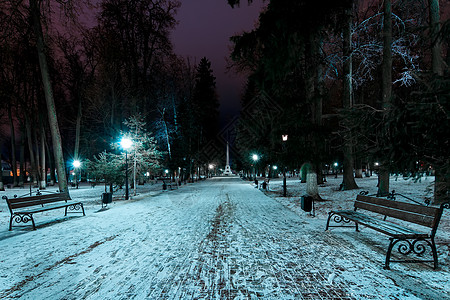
(109,167)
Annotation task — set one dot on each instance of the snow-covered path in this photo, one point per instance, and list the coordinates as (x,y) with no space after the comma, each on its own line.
(218,239)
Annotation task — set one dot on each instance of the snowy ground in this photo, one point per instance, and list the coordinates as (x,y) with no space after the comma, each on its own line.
(217,239)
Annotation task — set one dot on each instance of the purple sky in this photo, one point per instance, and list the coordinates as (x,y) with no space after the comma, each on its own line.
(204,29)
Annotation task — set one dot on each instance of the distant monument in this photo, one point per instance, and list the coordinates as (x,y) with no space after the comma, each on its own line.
(227,167)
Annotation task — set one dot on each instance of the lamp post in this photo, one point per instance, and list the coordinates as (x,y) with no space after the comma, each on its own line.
(284,138)
(76,164)
(210,167)
(255,158)
(126,144)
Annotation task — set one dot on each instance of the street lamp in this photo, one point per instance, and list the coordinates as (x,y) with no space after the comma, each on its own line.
(210,167)
(126,144)
(284,138)
(255,158)
(76,164)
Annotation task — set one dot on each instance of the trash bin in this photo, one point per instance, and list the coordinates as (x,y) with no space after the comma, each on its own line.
(306,203)
(264,185)
(106,198)
(164,186)
(256,182)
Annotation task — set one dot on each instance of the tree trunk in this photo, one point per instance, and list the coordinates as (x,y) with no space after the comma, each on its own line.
(358,168)
(43,170)
(13,146)
(2,186)
(22,158)
(386,87)
(348,181)
(51,165)
(441,183)
(34,169)
(35,133)
(386,67)
(312,189)
(436,55)
(77,130)
(52,117)
(312,51)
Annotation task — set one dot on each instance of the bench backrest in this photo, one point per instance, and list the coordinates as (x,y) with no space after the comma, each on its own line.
(418,214)
(22,202)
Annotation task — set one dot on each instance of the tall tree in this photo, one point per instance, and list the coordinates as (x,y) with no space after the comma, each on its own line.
(442,178)
(48,91)
(386,88)
(348,181)
(436,55)
(205,102)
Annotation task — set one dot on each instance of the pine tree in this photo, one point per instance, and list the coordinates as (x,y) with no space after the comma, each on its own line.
(143,156)
(205,102)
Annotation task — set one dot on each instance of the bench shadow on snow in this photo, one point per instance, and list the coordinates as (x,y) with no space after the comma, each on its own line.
(23,229)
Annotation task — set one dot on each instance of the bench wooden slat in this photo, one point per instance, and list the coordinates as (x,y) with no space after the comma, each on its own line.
(419,209)
(388,228)
(422,215)
(40,197)
(45,208)
(404,215)
(33,203)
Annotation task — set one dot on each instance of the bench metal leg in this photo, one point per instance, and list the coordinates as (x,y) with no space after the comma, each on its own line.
(32,221)
(435,257)
(339,219)
(388,254)
(10,223)
(330,214)
(415,247)
(21,218)
(75,206)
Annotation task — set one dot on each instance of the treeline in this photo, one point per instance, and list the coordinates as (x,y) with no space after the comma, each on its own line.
(364,84)
(96,76)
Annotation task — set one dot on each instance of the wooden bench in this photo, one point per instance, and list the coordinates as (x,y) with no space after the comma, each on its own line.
(23,208)
(410,240)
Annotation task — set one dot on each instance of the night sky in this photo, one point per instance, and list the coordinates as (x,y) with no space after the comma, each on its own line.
(204,29)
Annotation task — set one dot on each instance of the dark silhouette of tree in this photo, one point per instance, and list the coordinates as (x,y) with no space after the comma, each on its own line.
(348,181)
(205,102)
(48,91)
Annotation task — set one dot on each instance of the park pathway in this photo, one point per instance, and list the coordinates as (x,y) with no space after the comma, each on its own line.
(218,239)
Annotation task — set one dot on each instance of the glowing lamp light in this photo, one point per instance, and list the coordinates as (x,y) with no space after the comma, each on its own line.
(166,171)
(76,163)
(275,167)
(336,164)
(211,166)
(255,157)
(377,164)
(284,137)
(126,143)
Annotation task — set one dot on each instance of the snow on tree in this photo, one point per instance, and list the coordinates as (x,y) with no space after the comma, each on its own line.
(142,157)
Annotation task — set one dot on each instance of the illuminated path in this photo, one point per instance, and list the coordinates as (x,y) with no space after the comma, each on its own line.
(217,239)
